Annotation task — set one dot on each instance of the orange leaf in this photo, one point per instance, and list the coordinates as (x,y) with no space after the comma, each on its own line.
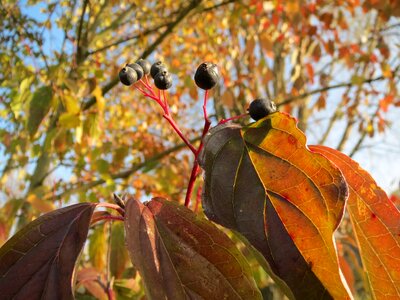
(262,181)
(376,223)
(385,102)
(386,71)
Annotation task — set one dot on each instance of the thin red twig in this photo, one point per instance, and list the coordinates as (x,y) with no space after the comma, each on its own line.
(179,132)
(145,82)
(223,121)
(195,168)
(165,102)
(112,206)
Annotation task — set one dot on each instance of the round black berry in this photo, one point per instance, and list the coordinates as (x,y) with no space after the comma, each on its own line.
(156,68)
(138,68)
(206,76)
(128,76)
(145,65)
(260,108)
(163,80)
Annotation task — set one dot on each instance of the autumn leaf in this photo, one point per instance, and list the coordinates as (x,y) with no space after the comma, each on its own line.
(181,255)
(376,224)
(262,181)
(37,262)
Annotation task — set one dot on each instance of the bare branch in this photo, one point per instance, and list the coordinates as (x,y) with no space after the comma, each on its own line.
(327,88)
(121,175)
(151,30)
(362,137)
(129,38)
(80,27)
(193,4)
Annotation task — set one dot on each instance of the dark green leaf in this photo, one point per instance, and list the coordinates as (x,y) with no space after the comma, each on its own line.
(39,106)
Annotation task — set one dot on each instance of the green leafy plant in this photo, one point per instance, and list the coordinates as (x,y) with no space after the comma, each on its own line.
(282,198)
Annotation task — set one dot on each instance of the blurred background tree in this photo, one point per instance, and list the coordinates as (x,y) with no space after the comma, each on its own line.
(70,132)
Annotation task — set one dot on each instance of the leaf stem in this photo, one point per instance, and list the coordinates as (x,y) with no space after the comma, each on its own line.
(112,206)
(171,121)
(107,218)
(223,121)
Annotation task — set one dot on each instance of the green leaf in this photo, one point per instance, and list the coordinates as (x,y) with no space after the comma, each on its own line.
(119,255)
(39,106)
(23,95)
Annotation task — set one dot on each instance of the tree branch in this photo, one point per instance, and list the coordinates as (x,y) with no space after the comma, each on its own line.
(80,27)
(129,38)
(362,137)
(327,88)
(193,4)
(121,175)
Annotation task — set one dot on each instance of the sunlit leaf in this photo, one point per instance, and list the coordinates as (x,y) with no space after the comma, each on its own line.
(37,262)
(23,94)
(98,248)
(69,120)
(181,255)
(376,223)
(262,181)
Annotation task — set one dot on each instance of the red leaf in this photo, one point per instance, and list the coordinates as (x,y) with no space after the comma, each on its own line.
(183,256)
(376,223)
(37,262)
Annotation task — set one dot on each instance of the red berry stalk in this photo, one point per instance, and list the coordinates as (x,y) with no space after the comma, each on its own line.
(206,78)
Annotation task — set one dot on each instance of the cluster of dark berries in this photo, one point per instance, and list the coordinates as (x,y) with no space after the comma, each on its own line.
(132,73)
(260,108)
(206,76)
(161,76)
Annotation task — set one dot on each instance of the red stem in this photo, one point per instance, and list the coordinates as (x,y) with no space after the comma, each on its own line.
(112,206)
(171,121)
(163,102)
(223,121)
(195,168)
(110,293)
(192,180)
(147,85)
(150,96)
